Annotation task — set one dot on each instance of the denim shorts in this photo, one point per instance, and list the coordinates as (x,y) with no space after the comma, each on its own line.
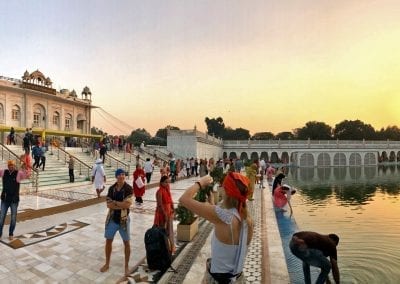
(112,228)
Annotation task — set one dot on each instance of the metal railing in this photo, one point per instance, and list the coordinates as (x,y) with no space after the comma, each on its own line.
(110,160)
(7,154)
(64,156)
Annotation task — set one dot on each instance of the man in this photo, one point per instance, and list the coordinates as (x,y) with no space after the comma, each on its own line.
(148,169)
(71,169)
(119,199)
(10,195)
(313,249)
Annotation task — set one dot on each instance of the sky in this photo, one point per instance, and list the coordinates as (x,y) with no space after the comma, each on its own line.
(260,65)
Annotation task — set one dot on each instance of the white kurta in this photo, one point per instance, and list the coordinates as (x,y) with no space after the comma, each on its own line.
(98,173)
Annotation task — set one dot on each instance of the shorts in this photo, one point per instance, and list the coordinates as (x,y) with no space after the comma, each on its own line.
(112,228)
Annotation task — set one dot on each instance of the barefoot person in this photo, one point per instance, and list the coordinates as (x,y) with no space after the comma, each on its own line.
(98,176)
(119,199)
(313,249)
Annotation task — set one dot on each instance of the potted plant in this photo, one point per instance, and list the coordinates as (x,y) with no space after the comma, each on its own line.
(188,224)
(218,176)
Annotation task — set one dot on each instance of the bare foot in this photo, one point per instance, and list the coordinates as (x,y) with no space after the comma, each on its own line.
(104,268)
(127,271)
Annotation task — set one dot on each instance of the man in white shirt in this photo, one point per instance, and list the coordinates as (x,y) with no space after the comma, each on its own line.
(148,169)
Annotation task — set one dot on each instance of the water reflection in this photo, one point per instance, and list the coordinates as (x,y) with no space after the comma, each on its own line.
(348,185)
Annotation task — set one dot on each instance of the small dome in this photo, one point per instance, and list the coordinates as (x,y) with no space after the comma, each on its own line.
(86,91)
(26,75)
(73,94)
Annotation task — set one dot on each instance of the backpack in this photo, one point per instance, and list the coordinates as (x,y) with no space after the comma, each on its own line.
(158,249)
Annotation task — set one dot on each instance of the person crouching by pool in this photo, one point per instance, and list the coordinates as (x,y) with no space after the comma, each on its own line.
(119,199)
(282,195)
(313,249)
(233,227)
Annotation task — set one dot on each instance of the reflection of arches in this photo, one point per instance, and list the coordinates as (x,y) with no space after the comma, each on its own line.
(323,160)
(254,156)
(306,174)
(232,155)
(355,172)
(306,160)
(339,159)
(324,173)
(39,115)
(369,159)
(243,156)
(339,173)
(355,159)
(16,115)
(369,172)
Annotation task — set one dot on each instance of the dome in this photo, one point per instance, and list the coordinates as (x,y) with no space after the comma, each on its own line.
(86,91)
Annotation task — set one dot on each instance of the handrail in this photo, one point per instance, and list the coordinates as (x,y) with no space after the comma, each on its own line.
(127,167)
(35,173)
(81,163)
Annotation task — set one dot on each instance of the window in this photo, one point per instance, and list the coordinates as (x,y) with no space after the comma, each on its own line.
(36,119)
(15,113)
(56,118)
(68,122)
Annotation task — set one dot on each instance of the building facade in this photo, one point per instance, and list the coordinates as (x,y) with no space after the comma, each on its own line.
(32,102)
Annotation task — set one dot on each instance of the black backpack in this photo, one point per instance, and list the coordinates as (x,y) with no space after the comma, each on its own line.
(158,249)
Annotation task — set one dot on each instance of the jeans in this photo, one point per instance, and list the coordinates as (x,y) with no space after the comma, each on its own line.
(312,257)
(4,208)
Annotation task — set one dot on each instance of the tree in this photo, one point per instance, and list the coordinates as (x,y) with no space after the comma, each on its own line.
(163,132)
(391,133)
(138,136)
(286,135)
(314,130)
(353,130)
(215,127)
(263,136)
(236,134)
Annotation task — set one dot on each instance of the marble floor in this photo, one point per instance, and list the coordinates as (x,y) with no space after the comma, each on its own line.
(69,247)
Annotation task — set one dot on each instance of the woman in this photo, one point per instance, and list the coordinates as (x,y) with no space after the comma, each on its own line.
(233,227)
(138,184)
(282,195)
(99,176)
(164,215)
(251,173)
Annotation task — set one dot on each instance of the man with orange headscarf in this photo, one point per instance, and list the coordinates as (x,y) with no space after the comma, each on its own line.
(233,227)
(10,194)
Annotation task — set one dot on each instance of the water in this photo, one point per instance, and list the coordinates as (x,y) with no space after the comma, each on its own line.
(360,205)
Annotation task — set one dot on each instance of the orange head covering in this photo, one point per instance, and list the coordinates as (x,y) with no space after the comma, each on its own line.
(10,163)
(232,190)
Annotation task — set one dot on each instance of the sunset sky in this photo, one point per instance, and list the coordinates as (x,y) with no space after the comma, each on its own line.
(260,65)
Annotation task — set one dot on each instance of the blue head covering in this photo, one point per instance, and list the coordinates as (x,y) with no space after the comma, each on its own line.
(118,172)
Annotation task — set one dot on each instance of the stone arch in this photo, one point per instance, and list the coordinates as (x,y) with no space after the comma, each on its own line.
(323,160)
(232,155)
(285,157)
(68,122)
(274,157)
(339,159)
(355,159)
(264,155)
(369,159)
(224,155)
(307,160)
(254,156)
(244,157)
(398,156)
(56,120)
(392,156)
(16,115)
(1,113)
(384,157)
(39,115)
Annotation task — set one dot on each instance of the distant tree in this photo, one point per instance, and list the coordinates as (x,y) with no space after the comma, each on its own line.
(263,136)
(314,130)
(215,126)
(236,134)
(391,133)
(286,135)
(138,136)
(163,132)
(157,141)
(354,130)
